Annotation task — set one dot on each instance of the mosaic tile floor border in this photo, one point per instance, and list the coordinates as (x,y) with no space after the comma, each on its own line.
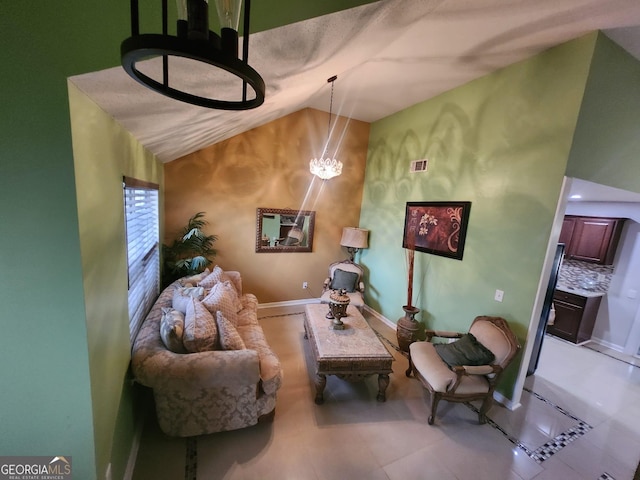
(539,455)
(384,339)
(387,341)
(553,446)
(293,314)
(550,448)
(610,356)
(606,476)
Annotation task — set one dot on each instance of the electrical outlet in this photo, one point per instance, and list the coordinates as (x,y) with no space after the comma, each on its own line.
(305,285)
(498,296)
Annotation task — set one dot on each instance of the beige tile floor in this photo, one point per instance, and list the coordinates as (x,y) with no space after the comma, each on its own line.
(351,436)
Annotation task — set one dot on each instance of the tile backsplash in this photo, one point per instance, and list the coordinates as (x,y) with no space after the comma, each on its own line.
(574,273)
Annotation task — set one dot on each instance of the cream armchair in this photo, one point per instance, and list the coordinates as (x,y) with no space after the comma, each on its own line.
(347,275)
(466,377)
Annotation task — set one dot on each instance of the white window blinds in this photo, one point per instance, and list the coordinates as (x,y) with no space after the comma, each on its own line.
(143,250)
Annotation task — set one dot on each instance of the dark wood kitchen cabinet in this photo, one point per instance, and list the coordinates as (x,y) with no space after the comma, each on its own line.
(568,226)
(575,316)
(591,239)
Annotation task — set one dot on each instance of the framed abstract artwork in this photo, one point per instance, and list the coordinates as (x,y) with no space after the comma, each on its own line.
(439,228)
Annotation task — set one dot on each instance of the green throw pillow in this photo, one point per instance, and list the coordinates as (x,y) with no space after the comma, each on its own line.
(343,279)
(465,351)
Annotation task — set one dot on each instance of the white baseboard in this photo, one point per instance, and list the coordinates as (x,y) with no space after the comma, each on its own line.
(498,397)
(610,345)
(382,318)
(135,447)
(288,303)
(305,301)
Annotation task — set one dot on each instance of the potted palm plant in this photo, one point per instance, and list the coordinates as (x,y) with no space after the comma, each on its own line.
(190,252)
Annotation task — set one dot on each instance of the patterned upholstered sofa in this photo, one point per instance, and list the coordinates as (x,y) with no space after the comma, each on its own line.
(208,391)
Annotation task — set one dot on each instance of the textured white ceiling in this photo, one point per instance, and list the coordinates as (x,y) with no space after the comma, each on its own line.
(593,192)
(388,55)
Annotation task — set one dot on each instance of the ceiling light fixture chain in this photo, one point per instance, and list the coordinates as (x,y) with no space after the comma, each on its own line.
(326,147)
(326,167)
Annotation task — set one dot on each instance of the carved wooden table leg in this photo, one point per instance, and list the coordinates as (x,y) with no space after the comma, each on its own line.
(321,382)
(383,383)
(409,368)
(350,354)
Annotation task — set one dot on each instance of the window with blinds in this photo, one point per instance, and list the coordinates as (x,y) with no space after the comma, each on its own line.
(143,249)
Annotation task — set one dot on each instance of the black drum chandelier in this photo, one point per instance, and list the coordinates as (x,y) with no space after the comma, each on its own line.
(194,41)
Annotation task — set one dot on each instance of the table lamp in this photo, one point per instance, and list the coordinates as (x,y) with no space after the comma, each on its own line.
(354,239)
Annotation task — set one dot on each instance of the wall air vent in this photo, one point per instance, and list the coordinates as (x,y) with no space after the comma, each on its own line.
(419,166)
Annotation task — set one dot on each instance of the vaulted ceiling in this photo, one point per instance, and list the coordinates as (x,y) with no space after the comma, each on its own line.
(388,55)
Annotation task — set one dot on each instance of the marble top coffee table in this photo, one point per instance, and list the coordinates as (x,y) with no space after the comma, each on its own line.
(351,354)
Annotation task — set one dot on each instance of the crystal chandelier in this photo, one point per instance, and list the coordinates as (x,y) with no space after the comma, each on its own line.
(326,167)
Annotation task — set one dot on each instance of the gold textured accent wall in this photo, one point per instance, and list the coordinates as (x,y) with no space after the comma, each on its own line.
(268,167)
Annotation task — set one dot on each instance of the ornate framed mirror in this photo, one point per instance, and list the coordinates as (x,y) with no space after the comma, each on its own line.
(282,230)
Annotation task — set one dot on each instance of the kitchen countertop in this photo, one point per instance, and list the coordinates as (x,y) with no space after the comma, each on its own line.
(578,291)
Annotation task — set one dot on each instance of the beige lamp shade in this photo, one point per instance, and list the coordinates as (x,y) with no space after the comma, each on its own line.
(355,237)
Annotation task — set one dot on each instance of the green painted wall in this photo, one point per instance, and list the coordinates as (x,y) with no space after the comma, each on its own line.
(103,152)
(52,400)
(46,406)
(51,352)
(606,145)
(501,142)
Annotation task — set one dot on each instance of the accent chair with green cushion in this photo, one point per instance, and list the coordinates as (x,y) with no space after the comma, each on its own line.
(467,371)
(345,275)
